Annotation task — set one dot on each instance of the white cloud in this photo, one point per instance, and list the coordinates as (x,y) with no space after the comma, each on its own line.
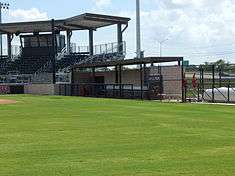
(101,3)
(32,14)
(194,28)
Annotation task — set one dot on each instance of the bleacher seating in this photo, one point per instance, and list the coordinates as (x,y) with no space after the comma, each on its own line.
(30,65)
(36,63)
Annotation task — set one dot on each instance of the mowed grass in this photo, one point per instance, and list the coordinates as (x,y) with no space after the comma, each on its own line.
(70,136)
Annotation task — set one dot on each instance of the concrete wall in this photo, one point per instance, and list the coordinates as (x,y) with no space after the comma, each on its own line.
(40,89)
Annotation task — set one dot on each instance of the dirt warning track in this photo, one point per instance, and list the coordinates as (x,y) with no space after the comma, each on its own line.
(6,102)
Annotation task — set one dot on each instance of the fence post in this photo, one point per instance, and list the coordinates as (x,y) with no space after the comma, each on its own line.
(120,80)
(220,77)
(202,83)
(229,92)
(132,91)
(93,82)
(183,87)
(213,83)
(141,81)
(198,93)
(105,90)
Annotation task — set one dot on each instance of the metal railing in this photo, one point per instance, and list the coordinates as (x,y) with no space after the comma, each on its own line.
(61,54)
(16,52)
(125,91)
(107,48)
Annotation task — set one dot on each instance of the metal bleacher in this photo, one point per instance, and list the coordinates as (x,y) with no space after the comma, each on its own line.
(35,66)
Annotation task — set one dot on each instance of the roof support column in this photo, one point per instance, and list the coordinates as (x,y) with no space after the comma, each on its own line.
(9,39)
(53,54)
(91,42)
(69,35)
(93,82)
(183,86)
(141,81)
(119,38)
(120,81)
(116,74)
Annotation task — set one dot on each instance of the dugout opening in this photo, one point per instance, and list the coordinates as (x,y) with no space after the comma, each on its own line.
(119,79)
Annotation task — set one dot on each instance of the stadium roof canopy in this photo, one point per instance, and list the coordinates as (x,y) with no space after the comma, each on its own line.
(146,60)
(85,21)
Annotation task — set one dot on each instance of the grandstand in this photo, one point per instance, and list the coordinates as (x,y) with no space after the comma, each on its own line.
(44,50)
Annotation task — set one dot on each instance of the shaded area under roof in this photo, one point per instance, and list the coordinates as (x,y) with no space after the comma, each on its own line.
(85,21)
(146,60)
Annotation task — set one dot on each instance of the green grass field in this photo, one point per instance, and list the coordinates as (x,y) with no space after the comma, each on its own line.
(70,136)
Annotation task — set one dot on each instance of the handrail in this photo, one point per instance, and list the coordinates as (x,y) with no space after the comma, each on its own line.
(107,48)
(61,54)
(17,55)
(103,56)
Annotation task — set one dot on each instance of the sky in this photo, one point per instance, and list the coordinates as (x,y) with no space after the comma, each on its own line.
(199,30)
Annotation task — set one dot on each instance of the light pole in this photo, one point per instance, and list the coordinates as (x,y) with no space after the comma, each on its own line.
(161,43)
(138,35)
(3,6)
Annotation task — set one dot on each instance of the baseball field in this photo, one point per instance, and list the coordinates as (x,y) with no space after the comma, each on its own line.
(71,136)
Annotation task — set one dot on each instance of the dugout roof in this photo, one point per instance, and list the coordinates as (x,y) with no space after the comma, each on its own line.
(146,60)
(85,21)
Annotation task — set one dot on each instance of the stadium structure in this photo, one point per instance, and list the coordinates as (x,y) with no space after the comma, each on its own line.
(43,48)
(46,62)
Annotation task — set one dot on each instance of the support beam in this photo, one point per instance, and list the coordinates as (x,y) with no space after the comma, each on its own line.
(183,88)
(93,75)
(9,49)
(69,35)
(93,81)
(119,38)
(145,75)
(138,32)
(53,51)
(141,81)
(72,76)
(120,74)
(120,80)
(91,42)
(179,63)
(116,74)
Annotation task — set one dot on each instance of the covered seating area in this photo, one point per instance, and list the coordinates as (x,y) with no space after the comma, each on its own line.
(43,38)
(146,82)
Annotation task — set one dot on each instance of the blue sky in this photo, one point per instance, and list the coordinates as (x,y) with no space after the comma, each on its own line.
(199,30)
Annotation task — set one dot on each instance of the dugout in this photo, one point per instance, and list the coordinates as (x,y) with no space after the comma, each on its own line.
(11,89)
(118,79)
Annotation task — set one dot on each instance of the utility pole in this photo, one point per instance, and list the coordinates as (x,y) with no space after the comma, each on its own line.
(138,34)
(3,6)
